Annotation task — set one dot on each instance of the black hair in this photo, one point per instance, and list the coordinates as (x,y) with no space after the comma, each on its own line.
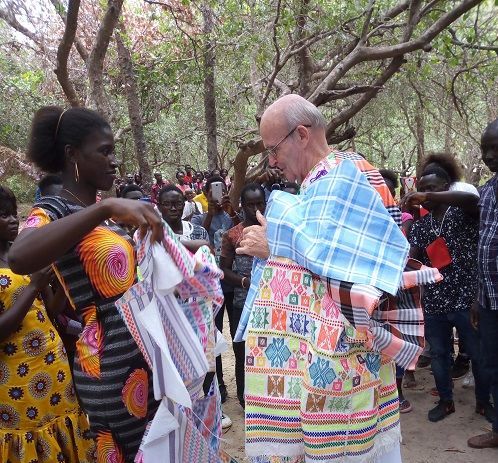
(439,172)
(251,187)
(445,161)
(390,175)
(212,179)
(167,189)
(7,199)
(179,172)
(47,181)
(129,188)
(53,128)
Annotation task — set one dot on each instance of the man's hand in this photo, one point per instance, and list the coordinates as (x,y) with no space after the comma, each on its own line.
(226,205)
(213,207)
(254,242)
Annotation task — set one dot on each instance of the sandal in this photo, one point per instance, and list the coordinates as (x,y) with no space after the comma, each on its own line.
(405,406)
(410,381)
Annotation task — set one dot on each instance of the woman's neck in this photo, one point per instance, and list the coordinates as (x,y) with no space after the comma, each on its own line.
(4,251)
(77,192)
(439,211)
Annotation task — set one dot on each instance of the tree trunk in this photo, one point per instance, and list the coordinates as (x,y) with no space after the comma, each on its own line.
(134,109)
(303,58)
(63,51)
(448,143)
(240,168)
(420,131)
(96,96)
(209,88)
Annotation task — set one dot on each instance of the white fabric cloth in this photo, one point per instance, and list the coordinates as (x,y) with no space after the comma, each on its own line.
(393,456)
(463,186)
(190,209)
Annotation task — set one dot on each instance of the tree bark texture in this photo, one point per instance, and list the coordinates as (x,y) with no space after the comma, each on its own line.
(97,56)
(210,88)
(59,8)
(134,110)
(63,51)
(246,151)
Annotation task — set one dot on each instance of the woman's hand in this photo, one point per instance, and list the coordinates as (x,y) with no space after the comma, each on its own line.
(138,213)
(411,200)
(41,279)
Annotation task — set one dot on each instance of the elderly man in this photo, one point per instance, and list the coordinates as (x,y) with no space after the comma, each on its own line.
(320,341)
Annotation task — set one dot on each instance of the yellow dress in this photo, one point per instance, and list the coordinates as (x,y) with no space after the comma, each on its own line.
(40,420)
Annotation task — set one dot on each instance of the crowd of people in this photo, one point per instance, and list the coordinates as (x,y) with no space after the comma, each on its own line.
(323,271)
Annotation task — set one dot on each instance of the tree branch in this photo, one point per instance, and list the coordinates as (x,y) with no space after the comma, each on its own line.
(376,53)
(349,112)
(278,66)
(63,53)
(97,55)
(9,17)
(80,48)
(246,150)
(339,94)
(366,23)
(458,42)
(363,53)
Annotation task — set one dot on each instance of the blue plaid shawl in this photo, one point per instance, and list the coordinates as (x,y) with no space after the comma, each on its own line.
(339,228)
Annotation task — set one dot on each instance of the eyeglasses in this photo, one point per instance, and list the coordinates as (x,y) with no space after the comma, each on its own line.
(273,150)
(175,204)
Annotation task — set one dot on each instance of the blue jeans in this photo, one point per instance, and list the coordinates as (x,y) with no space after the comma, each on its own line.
(488,329)
(439,334)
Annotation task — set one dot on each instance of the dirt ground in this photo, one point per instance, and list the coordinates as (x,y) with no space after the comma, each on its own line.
(423,441)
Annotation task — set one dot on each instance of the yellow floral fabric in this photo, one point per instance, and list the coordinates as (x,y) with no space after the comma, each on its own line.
(40,420)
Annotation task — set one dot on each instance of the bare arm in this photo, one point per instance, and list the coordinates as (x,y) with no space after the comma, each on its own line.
(466,201)
(12,318)
(39,247)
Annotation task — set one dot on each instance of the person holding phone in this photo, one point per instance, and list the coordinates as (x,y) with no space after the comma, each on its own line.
(219,218)
(220,214)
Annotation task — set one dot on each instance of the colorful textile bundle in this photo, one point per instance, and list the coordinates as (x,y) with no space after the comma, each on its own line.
(171,317)
(329,312)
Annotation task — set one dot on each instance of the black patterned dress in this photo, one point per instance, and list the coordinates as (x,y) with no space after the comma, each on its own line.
(112,379)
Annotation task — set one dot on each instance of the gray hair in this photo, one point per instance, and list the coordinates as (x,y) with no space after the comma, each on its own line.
(302,112)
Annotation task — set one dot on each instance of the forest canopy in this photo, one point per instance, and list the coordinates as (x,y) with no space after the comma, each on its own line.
(185,82)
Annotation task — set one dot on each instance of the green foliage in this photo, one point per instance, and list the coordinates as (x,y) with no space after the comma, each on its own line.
(22,187)
(167,46)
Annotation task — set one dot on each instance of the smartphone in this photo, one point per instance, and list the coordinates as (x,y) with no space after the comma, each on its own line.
(217,191)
